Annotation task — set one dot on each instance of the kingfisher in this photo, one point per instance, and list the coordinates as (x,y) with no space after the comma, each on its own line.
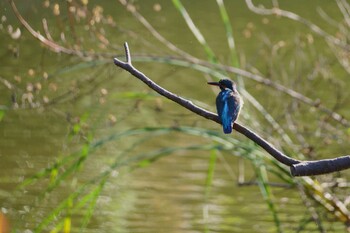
(228,103)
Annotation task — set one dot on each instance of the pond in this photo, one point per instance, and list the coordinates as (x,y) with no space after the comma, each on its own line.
(87,147)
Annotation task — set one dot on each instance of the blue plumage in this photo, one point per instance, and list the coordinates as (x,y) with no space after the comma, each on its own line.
(228,103)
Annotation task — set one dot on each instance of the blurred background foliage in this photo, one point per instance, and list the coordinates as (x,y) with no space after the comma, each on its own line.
(86,147)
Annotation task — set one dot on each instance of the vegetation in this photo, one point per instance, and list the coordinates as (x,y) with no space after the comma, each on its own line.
(294,87)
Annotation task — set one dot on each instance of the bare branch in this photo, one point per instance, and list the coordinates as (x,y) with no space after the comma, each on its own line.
(295,17)
(319,167)
(298,168)
(127,54)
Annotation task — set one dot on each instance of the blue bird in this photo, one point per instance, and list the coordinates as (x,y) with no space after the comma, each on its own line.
(228,103)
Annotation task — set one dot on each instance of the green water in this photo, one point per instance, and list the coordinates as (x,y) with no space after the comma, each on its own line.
(80,110)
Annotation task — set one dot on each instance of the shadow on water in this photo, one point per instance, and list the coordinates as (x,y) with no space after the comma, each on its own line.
(85,147)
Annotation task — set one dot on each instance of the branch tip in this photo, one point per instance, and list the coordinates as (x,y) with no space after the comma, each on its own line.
(127,53)
(116,61)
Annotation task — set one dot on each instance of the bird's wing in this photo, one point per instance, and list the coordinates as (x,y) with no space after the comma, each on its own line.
(220,102)
(227,117)
(235,101)
(225,107)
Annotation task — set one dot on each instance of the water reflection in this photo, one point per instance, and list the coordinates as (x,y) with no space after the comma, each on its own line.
(75,153)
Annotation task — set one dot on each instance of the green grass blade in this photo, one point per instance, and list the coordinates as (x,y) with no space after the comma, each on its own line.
(196,32)
(267,194)
(134,95)
(2,112)
(51,217)
(146,158)
(229,33)
(92,197)
(76,165)
(235,63)
(49,171)
(79,66)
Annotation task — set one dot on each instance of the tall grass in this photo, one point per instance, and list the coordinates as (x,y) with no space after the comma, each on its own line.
(259,168)
(82,201)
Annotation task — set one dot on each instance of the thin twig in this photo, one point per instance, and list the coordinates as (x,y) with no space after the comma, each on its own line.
(313,212)
(46,41)
(295,17)
(131,8)
(298,168)
(55,47)
(46,29)
(127,54)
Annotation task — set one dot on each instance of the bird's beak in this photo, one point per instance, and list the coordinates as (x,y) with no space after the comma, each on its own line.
(214,83)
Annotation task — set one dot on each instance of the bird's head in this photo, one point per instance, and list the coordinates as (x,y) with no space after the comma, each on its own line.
(224,83)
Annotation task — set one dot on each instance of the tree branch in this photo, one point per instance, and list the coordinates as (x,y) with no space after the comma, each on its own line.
(319,167)
(297,167)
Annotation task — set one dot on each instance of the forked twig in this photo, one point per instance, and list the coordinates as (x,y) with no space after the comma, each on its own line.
(297,167)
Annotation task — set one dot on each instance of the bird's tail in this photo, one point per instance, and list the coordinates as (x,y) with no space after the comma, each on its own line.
(227,128)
